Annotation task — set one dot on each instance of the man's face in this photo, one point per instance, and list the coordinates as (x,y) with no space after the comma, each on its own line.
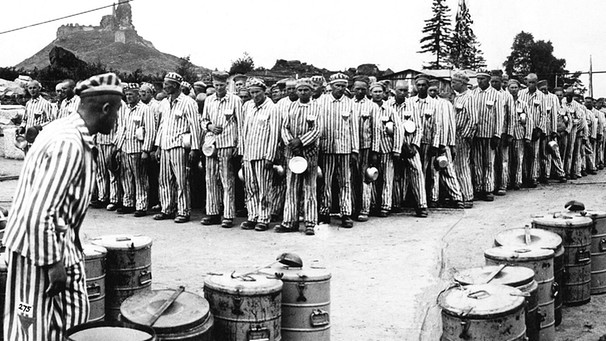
(257,94)
(67,90)
(220,88)
(33,89)
(421,86)
(543,89)
(360,90)
(244,95)
(513,89)
(457,85)
(338,89)
(483,82)
(304,93)
(276,94)
(599,104)
(239,84)
(589,104)
(291,92)
(145,95)
(560,94)
(433,92)
(496,83)
(132,97)
(532,84)
(377,94)
(170,87)
(401,93)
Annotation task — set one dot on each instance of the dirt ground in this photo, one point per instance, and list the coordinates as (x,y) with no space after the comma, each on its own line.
(386,273)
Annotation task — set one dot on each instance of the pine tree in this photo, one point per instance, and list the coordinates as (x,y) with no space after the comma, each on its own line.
(437,36)
(465,50)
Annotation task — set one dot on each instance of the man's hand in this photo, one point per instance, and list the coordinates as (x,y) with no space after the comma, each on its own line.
(215,129)
(194,155)
(373,158)
(157,154)
(442,150)
(268,165)
(536,134)
(494,142)
(144,156)
(295,143)
(56,278)
(354,159)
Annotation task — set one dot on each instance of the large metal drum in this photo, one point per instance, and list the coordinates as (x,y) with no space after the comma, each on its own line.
(576,237)
(541,262)
(128,269)
(3,274)
(305,303)
(514,276)
(598,250)
(245,307)
(545,240)
(482,312)
(110,331)
(94,267)
(187,319)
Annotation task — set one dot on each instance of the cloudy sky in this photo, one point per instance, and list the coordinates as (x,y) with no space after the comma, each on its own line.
(334,34)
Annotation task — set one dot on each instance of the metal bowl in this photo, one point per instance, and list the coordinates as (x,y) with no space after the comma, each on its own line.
(409,126)
(297,165)
(389,128)
(441,162)
(371,174)
(241,174)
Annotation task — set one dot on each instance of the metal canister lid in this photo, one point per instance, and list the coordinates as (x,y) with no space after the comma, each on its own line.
(538,238)
(304,274)
(187,311)
(122,241)
(92,251)
(233,283)
(513,254)
(561,220)
(514,276)
(481,301)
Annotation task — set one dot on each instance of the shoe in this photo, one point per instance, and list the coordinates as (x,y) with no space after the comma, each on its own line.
(562,179)
(283,228)
(592,172)
(433,204)
(140,213)
(363,217)
(583,173)
(346,222)
(397,209)
(324,219)
(98,204)
(488,197)
(163,216)
(422,212)
(533,184)
(156,208)
(125,210)
(574,177)
(600,167)
(211,220)
(248,225)
(544,181)
(468,204)
(501,192)
(262,227)
(516,187)
(227,223)
(309,231)
(459,205)
(181,219)
(383,213)
(112,207)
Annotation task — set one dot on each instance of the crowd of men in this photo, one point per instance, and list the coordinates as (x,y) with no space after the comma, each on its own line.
(429,148)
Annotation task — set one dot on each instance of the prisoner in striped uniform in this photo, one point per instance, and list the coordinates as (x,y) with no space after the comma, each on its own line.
(443,141)
(398,104)
(135,141)
(599,106)
(489,112)
(339,145)
(146,94)
(535,101)
(466,125)
(576,115)
(592,124)
(387,139)
(38,111)
(564,128)
(179,132)
(299,132)
(221,118)
(45,286)
(108,182)
(259,146)
(362,190)
(71,102)
(502,151)
(552,155)
(520,128)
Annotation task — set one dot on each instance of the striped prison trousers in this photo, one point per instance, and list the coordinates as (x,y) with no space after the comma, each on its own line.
(501,165)
(414,178)
(174,180)
(134,181)
(517,161)
(483,160)
(462,164)
(448,178)
(590,156)
(108,185)
(569,142)
(339,164)
(363,193)
(278,190)
(552,156)
(578,158)
(30,314)
(301,188)
(220,182)
(532,162)
(258,180)
(386,175)
(599,157)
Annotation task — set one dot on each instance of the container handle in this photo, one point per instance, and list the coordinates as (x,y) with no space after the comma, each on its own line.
(122,238)
(237,309)
(301,289)
(602,247)
(478,295)
(93,290)
(145,277)
(555,289)
(583,256)
(319,318)
(165,306)
(258,333)
(465,332)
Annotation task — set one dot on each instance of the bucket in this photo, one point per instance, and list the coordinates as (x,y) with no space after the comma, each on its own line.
(110,331)
(128,269)
(576,236)
(545,240)
(541,262)
(598,250)
(187,319)
(94,267)
(305,302)
(514,276)
(482,312)
(245,307)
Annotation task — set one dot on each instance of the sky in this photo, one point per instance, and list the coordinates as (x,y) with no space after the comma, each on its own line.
(332,34)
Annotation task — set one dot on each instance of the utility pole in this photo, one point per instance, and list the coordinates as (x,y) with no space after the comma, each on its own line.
(590,77)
